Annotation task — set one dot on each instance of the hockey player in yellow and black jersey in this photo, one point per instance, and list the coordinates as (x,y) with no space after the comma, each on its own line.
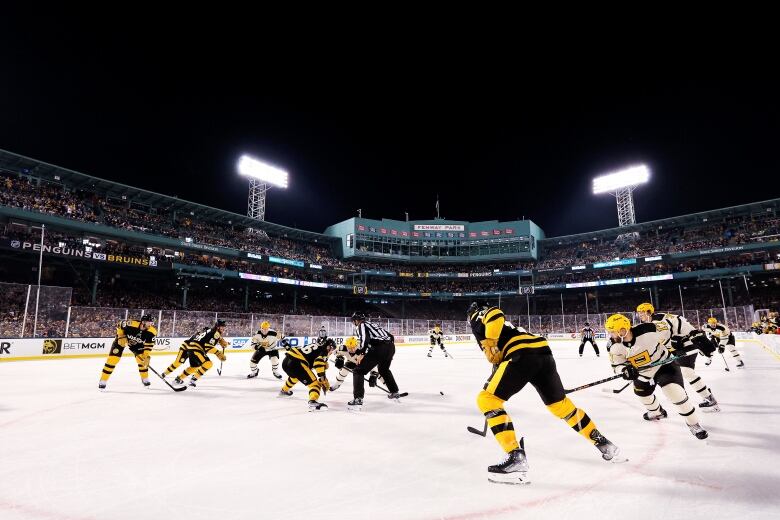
(138,336)
(307,365)
(519,358)
(198,347)
(183,355)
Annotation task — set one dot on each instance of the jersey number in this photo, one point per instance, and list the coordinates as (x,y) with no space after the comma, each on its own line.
(640,359)
(308,349)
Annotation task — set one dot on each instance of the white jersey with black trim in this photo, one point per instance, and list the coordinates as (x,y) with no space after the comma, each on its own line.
(342,352)
(646,346)
(673,326)
(720,331)
(436,335)
(267,341)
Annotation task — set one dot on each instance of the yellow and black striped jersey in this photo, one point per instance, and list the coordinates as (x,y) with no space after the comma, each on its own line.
(490,323)
(207,339)
(129,334)
(314,355)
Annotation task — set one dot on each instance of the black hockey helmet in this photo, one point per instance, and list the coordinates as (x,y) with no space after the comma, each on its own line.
(221,323)
(474,308)
(358,316)
(147,317)
(587,324)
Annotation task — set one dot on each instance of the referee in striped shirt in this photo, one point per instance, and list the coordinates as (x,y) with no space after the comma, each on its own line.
(376,348)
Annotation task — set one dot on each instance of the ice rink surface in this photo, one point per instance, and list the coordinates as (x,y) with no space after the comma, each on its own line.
(230,449)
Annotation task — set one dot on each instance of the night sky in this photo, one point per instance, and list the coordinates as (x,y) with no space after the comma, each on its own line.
(172,113)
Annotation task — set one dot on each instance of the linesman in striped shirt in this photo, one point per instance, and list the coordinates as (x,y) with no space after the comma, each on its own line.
(376,348)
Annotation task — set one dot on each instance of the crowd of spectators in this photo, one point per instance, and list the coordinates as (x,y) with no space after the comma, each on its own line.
(55,199)
(706,235)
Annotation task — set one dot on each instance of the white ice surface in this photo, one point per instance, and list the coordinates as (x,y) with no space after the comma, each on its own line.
(230,449)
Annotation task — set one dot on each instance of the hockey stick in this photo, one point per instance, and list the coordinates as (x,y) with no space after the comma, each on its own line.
(402,394)
(482,432)
(385,390)
(617,376)
(618,390)
(219,370)
(174,388)
(725,362)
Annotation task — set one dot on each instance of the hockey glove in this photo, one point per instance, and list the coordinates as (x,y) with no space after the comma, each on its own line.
(221,355)
(350,365)
(490,349)
(339,363)
(630,372)
(372,379)
(324,384)
(721,349)
(701,342)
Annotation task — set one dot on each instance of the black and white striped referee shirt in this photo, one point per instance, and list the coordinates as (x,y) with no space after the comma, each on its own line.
(369,334)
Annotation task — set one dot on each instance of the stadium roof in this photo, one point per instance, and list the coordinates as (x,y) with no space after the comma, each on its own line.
(671,222)
(73,179)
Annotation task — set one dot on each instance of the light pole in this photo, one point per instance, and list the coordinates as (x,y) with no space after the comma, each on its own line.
(38,292)
(621,184)
(261,177)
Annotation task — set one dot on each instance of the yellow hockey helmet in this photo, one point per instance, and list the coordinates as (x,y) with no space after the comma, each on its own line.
(712,321)
(351,343)
(616,322)
(645,307)
(265,325)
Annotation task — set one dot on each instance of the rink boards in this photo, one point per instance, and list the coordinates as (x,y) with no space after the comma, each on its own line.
(63,348)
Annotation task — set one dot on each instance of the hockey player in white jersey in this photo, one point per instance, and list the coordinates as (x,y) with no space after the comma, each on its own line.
(264,343)
(633,347)
(680,334)
(719,333)
(437,337)
(346,359)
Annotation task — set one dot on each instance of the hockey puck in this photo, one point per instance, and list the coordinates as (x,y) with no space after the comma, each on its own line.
(442,393)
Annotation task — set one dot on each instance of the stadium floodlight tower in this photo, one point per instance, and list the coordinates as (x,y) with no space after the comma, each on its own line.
(621,184)
(261,177)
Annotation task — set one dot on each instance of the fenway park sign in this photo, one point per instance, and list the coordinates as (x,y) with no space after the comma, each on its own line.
(439,227)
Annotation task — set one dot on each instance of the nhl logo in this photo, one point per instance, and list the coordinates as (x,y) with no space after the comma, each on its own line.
(15,243)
